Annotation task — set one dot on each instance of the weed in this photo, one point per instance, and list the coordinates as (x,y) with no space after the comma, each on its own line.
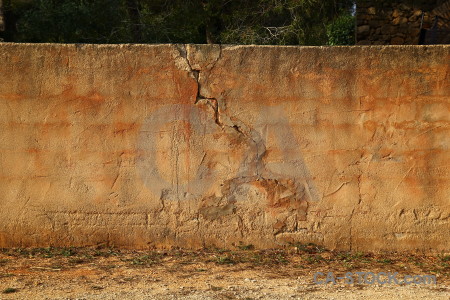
(178,253)
(88,257)
(96,287)
(246,247)
(105,253)
(220,251)
(56,267)
(225,260)
(309,248)
(314,259)
(108,267)
(257,258)
(297,266)
(143,260)
(128,279)
(3,262)
(385,261)
(140,260)
(23,252)
(42,252)
(10,290)
(360,256)
(77,261)
(445,258)
(419,264)
(68,252)
(281,258)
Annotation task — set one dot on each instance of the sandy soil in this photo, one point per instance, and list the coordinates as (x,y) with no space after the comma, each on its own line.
(105,273)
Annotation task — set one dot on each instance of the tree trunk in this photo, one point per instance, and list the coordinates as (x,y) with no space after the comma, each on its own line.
(209,36)
(2,21)
(133,13)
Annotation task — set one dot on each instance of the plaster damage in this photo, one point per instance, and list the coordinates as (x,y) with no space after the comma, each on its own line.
(207,145)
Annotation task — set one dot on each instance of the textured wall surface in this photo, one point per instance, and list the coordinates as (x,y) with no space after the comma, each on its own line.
(187,145)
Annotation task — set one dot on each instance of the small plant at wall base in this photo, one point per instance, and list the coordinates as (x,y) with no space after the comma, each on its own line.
(9,290)
(341,31)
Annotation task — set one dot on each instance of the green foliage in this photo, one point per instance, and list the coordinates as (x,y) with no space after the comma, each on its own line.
(275,22)
(341,31)
(171,22)
(73,21)
(289,22)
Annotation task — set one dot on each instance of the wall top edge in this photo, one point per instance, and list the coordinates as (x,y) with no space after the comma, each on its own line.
(223,46)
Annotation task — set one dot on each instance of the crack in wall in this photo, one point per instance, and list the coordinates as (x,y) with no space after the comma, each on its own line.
(185,52)
(211,101)
(255,169)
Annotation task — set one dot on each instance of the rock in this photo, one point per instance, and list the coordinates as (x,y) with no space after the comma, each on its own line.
(415,32)
(392,30)
(404,7)
(397,41)
(403,27)
(365,29)
(410,41)
(396,13)
(363,43)
(360,22)
(372,11)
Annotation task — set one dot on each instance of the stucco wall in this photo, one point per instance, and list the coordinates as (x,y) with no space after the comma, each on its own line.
(183,145)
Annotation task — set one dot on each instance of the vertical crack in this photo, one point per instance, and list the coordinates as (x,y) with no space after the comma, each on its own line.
(353,211)
(254,137)
(195,72)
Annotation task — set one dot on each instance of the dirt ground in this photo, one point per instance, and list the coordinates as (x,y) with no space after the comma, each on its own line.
(244,273)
